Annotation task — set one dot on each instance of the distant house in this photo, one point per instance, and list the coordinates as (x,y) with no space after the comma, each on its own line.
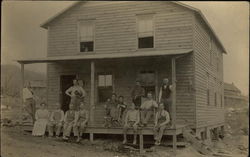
(39,89)
(233,96)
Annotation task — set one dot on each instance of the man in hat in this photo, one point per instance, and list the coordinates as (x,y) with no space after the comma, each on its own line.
(29,101)
(137,93)
(165,94)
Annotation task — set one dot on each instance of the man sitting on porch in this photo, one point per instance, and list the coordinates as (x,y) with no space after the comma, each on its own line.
(82,118)
(69,121)
(56,121)
(148,109)
(137,93)
(111,107)
(132,119)
(161,121)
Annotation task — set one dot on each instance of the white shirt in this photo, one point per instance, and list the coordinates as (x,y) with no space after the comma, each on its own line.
(27,94)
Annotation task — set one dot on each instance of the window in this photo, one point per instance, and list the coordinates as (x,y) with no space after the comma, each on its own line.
(147,78)
(105,87)
(145,31)
(208,96)
(86,35)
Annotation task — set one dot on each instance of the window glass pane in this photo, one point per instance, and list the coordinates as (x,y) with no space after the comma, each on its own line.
(146,42)
(87,46)
(108,80)
(101,80)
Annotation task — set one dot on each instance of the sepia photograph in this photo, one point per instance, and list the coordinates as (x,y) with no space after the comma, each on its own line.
(124,79)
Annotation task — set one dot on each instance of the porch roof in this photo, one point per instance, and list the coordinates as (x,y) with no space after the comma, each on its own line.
(95,56)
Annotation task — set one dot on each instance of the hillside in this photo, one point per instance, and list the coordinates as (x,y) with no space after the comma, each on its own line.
(11,78)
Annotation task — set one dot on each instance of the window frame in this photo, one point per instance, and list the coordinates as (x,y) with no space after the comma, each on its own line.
(137,30)
(104,87)
(78,35)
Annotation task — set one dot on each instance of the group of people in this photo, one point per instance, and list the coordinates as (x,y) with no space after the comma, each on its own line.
(55,120)
(75,118)
(118,113)
(138,114)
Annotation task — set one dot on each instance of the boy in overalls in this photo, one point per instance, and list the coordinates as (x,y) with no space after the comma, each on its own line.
(122,107)
(111,118)
(56,121)
(132,119)
(69,120)
(81,121)
(161,121)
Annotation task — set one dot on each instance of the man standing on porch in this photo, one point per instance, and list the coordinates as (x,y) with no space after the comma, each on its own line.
(137,93)
(29,102)
(77,94)
(165,94)
(132,119)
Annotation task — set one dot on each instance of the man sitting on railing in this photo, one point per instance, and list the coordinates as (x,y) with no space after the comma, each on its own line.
(148,108)
(132,119)
(161,121)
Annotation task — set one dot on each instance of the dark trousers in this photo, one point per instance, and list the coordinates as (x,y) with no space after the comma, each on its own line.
(167,104)
(137,102)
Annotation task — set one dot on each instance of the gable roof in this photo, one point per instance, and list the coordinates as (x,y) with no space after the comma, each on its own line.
(231,87)
(197,11)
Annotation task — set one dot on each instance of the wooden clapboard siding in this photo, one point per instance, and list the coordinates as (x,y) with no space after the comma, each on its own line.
(207,114)
(115,27)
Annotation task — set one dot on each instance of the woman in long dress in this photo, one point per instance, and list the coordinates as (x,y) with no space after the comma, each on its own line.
(42,117)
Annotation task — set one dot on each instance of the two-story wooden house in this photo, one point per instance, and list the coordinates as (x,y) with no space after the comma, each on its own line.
(109,45)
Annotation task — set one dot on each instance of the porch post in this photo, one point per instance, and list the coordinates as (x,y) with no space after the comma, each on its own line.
(174,103)
(22,82)
(92,91)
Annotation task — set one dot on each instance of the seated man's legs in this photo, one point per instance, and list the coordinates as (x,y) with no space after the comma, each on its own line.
(143,114)
(125,129)
(156,132)
(58,128)
(161,131)
(135,128)
(67,129)
(51,128)
(148,116)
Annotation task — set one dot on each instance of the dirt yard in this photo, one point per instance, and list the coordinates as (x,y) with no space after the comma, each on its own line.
(17,143)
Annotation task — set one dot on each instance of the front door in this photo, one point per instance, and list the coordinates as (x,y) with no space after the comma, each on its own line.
(66,81)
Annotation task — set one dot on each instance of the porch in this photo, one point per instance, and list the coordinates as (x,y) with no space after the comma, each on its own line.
(97,61)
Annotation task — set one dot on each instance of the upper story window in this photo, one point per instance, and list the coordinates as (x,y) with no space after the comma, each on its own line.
(86,35)
(145,31)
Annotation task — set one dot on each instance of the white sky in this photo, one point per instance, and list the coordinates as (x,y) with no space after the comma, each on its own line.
(22,36)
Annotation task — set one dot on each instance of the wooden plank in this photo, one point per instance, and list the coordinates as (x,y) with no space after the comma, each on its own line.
(22,82)
(92,91)
(174,143)
(173,93)
(141,143)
